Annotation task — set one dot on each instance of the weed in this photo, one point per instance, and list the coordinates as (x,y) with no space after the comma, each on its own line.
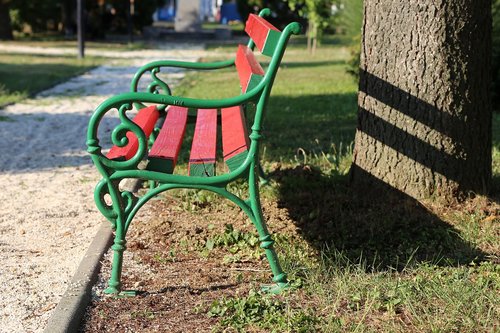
(259,310)
(241,245)
(159,257)
(144,314)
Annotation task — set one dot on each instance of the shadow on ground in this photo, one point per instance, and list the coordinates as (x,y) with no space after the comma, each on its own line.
(388,231)
(40,140)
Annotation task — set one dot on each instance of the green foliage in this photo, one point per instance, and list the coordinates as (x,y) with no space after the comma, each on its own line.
(350,17)
(258,310)
(354,60)
(350,20)
(233,238)
(239,244)
(318,13)
(38,14)
(283,12)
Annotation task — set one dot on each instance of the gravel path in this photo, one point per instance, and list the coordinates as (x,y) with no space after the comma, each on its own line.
(47,212)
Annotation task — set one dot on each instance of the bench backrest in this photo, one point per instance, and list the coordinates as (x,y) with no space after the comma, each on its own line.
(267,39)
(263,34)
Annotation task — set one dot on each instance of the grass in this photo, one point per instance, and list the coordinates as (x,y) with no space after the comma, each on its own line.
(22,75)
(317,94)
(356,263)
(390,265)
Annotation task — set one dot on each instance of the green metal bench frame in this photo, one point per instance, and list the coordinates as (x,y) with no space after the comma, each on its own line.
(125,204)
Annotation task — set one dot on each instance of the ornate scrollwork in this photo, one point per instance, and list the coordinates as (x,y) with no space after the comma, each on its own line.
(120,137)
(119,134)
(158,84)
(101,190)
(126,199)
(129,202)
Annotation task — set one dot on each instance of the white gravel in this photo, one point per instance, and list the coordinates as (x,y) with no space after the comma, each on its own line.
(47,212)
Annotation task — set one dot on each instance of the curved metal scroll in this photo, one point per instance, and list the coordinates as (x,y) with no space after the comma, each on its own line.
(158,84)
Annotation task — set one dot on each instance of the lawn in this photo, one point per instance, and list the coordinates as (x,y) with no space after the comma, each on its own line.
(22,75)
(356,264)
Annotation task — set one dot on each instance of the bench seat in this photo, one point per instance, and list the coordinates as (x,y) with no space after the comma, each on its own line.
(164,153)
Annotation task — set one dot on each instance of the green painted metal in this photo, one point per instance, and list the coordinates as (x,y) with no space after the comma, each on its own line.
(234,162)
(120,206)
(202,169)
(271,42)
(254,81)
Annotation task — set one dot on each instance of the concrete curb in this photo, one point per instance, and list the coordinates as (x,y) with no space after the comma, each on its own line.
(68,314)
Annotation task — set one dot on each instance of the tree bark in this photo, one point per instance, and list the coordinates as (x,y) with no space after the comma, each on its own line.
(424,108)
(5,24)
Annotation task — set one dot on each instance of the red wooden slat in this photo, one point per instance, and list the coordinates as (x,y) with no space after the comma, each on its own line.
(165,151)
(247,66)
(262,33)
(146,119)
(234,132)
(202,158)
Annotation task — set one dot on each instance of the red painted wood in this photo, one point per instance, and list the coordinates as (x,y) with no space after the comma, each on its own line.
(234,132)
(203,148)
(246,65)
(146,119)
(168,143)
(258,29)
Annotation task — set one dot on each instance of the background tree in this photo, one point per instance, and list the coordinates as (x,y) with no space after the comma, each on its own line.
(5,24)
(318,14)
(424,124)
(60,15)
(39,15)
(284,13)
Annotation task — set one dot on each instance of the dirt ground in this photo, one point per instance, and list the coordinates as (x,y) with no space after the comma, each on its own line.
(176,275)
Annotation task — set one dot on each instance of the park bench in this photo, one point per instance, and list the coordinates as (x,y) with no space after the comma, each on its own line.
(147,146)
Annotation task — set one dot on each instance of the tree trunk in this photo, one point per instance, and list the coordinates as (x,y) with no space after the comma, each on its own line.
(424,116)
(5,25)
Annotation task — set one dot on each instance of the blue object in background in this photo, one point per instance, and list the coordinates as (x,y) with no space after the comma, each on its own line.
(167,12)
(229,12)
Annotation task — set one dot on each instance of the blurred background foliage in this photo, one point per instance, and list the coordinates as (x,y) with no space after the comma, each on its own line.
(30,17)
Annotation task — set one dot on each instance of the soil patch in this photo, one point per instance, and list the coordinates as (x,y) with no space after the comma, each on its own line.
(180,261)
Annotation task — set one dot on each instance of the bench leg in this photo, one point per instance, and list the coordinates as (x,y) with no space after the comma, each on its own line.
(266,241)
(119,246)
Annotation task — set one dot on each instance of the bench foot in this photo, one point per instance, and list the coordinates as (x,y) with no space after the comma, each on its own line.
(275,288)
(112,291)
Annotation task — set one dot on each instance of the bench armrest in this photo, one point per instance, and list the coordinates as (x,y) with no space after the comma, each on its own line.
(123,104)
(155,67)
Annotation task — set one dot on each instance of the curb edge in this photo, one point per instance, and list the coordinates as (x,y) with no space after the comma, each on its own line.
(68,314)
